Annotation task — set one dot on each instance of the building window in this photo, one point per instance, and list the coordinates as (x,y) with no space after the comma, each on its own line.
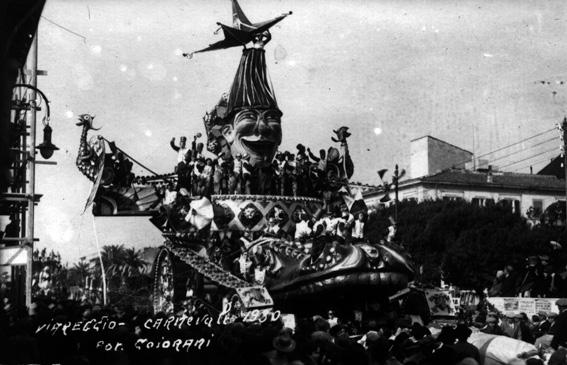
(450,197)
(512,204)
(537,204)
(482,202)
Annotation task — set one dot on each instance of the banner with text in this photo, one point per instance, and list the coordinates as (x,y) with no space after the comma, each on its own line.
(530,306)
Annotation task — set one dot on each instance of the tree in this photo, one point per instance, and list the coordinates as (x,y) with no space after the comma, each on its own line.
(126,281)
(462,243)
(133,263)
(79,272)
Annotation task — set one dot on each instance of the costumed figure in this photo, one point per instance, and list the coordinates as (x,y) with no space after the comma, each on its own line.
(303,228)
(277,165)
(347,166)
(246,179)
(207,177)
(184,172)
(197,177)
(288,174)
(217,176)
(236,181)
(181,150)
(357,232)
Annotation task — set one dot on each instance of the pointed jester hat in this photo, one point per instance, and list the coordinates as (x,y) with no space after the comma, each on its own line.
(251,87)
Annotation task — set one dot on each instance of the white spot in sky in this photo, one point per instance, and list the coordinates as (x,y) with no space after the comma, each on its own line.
(292,63)
(123,68)
(96,49)
(69,114)
(148,133)
(139,38)
(152,70)
(488,55)
(174,78)
(178,52)
(377,131)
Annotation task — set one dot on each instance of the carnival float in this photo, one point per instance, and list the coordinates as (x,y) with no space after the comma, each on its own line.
(243,222)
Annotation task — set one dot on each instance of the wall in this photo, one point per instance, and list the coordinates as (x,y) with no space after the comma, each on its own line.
(429,156)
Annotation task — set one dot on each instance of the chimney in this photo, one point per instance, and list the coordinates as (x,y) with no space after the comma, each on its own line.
(489,174)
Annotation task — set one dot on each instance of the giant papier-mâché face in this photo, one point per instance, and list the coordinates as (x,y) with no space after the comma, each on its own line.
(254,132)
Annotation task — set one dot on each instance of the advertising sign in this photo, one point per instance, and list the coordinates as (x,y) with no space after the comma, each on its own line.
(530,306)
(440,303)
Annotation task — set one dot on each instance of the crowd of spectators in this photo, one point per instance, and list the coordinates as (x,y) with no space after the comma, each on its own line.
(539,278)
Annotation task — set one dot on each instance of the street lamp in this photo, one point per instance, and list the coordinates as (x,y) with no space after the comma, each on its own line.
(46,148)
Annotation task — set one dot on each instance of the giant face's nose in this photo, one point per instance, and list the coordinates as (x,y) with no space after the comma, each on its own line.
(268,124)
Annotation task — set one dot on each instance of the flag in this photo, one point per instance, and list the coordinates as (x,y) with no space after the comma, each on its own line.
(355,204)
(101,157)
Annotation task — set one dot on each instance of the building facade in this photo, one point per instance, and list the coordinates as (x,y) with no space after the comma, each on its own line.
(440,179)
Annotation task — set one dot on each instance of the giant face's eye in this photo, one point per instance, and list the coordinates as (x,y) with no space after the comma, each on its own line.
(272,116)
(246,115)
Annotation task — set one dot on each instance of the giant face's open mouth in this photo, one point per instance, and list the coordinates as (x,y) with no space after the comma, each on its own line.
(260,146)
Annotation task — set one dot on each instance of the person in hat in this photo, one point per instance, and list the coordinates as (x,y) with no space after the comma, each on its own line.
(522,331)
(559,329)
(283,345)
(507,325)
(492,327)
(184,172)
(462,348)
(543,325)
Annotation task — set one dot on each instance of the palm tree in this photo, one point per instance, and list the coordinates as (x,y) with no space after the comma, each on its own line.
(112,259)
(133,263)
(80,271)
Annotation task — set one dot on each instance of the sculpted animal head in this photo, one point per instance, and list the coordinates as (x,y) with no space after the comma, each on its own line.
(87,119)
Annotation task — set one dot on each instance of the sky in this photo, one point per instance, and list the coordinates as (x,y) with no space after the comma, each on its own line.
(466,72)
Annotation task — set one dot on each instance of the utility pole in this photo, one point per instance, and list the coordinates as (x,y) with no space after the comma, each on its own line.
(563,135)
(564,148)
(396,179)
(31,172)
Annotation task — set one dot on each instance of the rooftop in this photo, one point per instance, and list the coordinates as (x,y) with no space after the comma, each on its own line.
(478,179)
(444,142)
